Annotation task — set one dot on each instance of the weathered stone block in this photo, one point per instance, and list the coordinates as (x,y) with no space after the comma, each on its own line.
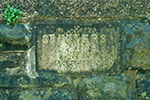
(78,48)
(11,59)
(45,93)
(17,53)
(16,35)
(136,45)
(106,87)
(143,87)
(20,78)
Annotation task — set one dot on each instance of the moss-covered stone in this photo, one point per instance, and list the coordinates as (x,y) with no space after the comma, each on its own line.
(143,88)
(23,80)
(37,94)
(105,87)
(137,48)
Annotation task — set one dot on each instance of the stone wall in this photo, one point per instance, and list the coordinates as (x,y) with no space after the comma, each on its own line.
(76,50)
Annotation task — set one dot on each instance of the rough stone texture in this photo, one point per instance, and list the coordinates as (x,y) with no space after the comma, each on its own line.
(17,57)
(17,35)
(143,87)
(11,59)
(21,80)
(109,33)
(37,94)
(117,87)
(77,48)
(91,87)
(82,8)
(17,51)
(136,45)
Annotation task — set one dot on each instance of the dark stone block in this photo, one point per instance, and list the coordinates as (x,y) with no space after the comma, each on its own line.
(143,87)
(106,87)
(11,59)
(23,80)
(136,50)
(15,35)
(42,93)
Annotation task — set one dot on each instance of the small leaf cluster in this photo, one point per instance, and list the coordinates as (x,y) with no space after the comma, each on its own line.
(11,15)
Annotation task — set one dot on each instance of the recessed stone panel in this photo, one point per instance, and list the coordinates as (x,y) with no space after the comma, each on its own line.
(78,48)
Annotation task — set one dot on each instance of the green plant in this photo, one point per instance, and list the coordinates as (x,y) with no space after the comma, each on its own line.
(11,15)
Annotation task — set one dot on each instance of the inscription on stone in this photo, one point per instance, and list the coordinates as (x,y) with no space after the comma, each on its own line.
(77,51)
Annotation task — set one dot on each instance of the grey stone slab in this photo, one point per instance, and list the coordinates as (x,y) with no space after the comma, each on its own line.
(16,35)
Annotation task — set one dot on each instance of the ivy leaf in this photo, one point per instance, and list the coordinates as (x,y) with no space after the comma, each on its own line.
(20,12)
(12,14)
(15,10)
(14,19)
(5,12)
(6,9)
(4,18)
(11,9)
(17,16)
(9,19)
(8,6)
(8,23)
(9,13)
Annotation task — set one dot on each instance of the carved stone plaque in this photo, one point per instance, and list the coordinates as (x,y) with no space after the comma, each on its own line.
(78,49)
